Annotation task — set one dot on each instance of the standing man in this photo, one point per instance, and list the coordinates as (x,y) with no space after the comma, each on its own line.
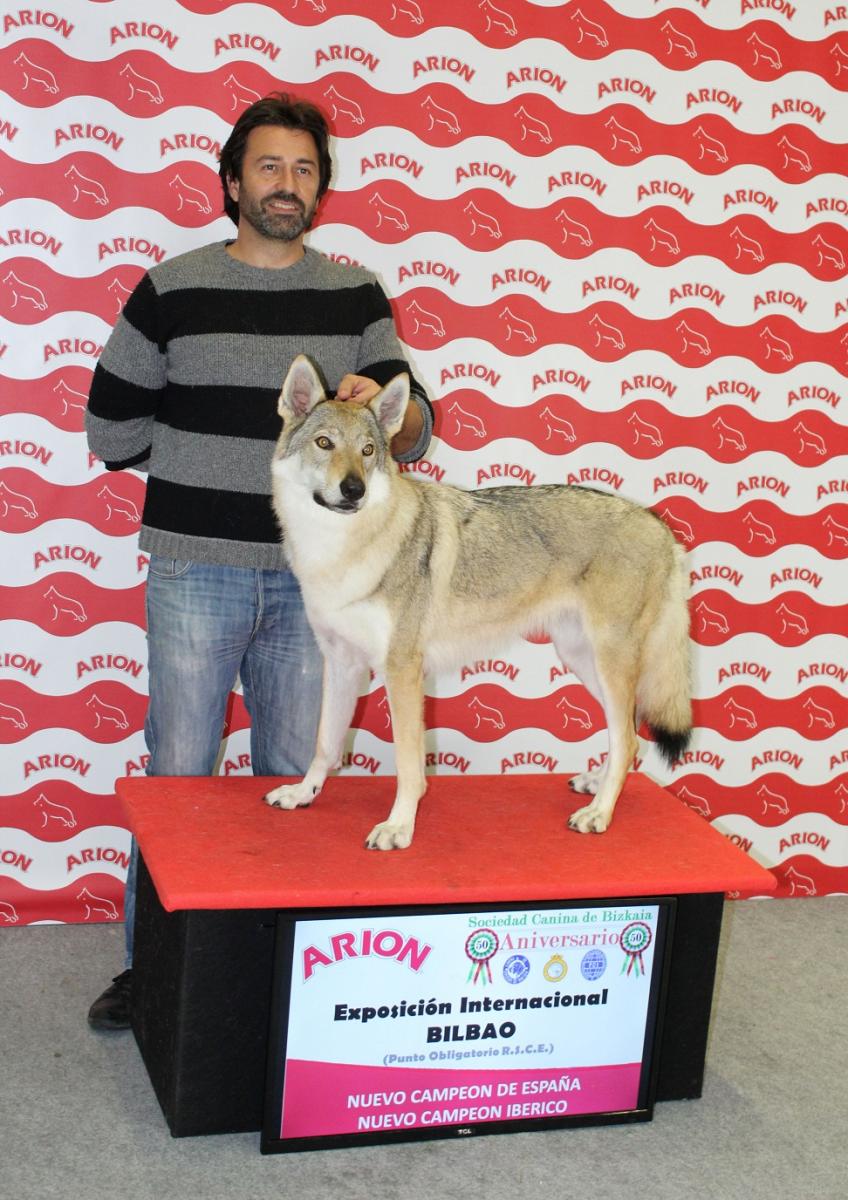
(186,390)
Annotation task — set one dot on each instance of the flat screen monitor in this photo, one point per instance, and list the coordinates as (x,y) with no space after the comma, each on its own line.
(396,1023)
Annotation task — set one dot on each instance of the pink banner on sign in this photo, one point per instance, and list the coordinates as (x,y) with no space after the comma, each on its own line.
(321,1099)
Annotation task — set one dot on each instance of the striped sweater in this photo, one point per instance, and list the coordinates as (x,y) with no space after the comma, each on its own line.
(186,389)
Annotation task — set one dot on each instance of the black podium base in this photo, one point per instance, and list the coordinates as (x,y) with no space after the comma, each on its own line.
(202,995)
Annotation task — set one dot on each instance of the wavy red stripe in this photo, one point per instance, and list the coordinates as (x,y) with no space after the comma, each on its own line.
(59,397)
(92,899)
(574,228)
(758,528)
(558,424)
(741,713)
(596,35)
(789,618)
(65,604)
(770,799)
(104,712)
(606,331)
(56,810)
(619,133)
(486,713)
(111,505)
(88,186)
(31,291)
(803,876)
(390,212)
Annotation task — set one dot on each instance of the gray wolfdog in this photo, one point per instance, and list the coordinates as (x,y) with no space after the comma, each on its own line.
(402,576)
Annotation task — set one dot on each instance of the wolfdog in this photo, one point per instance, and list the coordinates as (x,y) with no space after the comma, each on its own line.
(403,576)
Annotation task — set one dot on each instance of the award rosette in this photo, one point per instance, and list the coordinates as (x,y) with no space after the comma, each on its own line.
(481,946)
(635,940)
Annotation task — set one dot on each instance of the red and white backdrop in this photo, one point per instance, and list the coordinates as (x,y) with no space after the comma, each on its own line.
(615,239)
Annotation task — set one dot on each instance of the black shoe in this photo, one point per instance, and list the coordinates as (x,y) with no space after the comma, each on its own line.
(112,1009)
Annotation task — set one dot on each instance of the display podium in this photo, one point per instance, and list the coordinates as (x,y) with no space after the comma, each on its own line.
(218,866)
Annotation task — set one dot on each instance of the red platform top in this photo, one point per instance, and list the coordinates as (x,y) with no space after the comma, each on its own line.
(212,843)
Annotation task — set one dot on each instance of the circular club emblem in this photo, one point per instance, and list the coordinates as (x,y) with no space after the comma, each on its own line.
(516,968)
(593,965)
(555,969)
(635,940)
(480,947)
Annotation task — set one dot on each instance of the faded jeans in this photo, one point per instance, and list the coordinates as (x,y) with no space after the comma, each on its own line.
(207,625)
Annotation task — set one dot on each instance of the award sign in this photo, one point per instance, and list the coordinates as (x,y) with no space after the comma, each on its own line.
(390,1024)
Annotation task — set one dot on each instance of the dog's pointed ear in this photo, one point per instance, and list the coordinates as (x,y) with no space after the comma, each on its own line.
(302,389)
(389,405)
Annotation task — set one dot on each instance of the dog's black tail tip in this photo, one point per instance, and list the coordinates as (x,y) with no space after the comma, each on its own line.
(671,743)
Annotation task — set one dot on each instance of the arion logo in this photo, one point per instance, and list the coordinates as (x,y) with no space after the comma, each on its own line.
(385,943)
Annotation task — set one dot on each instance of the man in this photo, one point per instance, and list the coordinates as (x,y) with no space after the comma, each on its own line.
(186,389)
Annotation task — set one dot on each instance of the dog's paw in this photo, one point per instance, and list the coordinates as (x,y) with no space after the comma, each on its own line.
(590,819)
(586,785)
(291,795)
(387,836)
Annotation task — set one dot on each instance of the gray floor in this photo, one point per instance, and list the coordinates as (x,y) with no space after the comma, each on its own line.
(78,1117)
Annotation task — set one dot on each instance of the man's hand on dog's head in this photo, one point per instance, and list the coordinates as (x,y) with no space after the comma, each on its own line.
(357,389)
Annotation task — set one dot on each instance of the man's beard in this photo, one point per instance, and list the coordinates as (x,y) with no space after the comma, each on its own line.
(284,227)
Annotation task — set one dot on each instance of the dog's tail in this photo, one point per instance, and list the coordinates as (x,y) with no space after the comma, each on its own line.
(665,683)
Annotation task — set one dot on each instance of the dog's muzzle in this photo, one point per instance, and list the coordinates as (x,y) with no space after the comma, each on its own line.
(352,490)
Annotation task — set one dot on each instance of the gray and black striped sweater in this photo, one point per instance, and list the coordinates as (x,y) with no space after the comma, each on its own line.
(186,388)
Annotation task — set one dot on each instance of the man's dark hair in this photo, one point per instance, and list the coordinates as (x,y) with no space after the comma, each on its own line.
(277,109)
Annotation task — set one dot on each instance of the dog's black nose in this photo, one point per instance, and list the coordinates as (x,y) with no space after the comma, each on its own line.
(352,487)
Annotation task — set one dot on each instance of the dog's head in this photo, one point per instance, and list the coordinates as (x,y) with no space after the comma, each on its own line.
(335,449)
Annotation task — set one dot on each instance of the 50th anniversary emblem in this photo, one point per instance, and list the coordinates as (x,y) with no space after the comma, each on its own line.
(635,940)
(481,947)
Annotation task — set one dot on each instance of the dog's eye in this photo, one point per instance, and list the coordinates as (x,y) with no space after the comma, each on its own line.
(323,443)
(367,450)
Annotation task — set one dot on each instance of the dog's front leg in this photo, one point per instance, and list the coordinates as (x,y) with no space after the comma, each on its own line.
(405,690)
(342,676)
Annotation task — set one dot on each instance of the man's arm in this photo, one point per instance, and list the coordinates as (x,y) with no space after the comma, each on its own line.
(127,385)
(410,435)
(380,359)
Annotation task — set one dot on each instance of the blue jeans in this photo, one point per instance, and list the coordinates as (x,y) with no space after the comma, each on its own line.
(206,625)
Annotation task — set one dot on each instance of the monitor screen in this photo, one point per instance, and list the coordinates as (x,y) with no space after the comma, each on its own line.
(392,1024)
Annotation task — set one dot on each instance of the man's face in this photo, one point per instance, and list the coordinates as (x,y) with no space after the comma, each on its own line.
(278,191)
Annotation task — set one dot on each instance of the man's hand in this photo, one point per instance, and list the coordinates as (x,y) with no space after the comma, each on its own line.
(357,389)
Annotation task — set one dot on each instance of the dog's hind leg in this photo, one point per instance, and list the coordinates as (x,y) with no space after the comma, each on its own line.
(576,654)
(405,690)
(342,676)
(617,685)
(588,783)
